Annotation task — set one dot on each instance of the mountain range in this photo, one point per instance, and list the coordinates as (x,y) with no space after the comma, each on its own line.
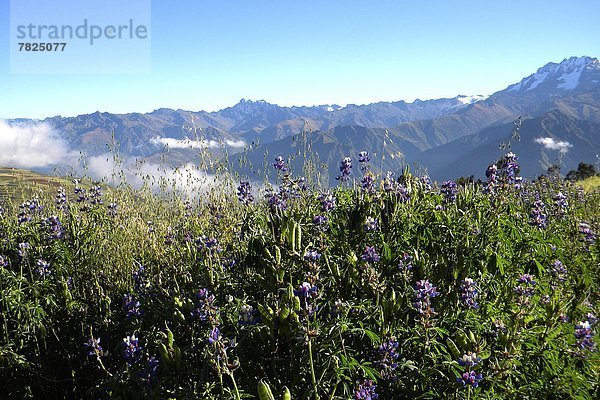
(558,106)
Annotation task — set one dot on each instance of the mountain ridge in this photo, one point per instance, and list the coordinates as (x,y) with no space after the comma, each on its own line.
(571,86)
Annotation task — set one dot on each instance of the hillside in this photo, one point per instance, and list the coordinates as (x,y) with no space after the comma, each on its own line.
(552,138)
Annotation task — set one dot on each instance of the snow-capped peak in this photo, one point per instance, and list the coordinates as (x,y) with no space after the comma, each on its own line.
(566,74)
(331,107)
(470,99)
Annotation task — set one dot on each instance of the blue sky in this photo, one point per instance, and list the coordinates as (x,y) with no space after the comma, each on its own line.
(209,54)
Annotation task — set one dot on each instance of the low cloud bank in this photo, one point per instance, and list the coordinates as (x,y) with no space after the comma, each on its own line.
(36,145)
(187,178)
(32,145)
(552,144)
(195,144)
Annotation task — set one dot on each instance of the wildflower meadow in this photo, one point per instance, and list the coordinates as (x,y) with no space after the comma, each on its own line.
(386,286)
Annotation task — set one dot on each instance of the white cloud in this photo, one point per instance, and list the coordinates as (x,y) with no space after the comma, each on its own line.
(186,179)
(195,144)
(32,145)
(36,145)
(552,144)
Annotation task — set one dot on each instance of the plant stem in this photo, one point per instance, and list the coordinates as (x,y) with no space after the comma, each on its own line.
(221,384)
(312,368)
(237,392)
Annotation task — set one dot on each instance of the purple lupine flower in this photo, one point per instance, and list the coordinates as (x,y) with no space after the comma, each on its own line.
(363,159)
(307,293)
(305,290)
(585,336)
(54,227)
(469,360)
(248,315)
(61,198)
(345,169)
(150,373)
(169,236)
(292,188)
(28,210)
(370,255)
(139,279)
(537,215)
(503,174)
(93,347)
(280,164)
(215,335)
(321,222)
(3,261)
(131,349)
(561,202)
(592,319)
(563,318)
(470,378)
(558,271)
(405,263)
(312,255)
(449,189)
(205,309)
(301,183)
(468,293)
(131,306)
(586,230)
(365,390)
(80,192)
(527,279)
(367,183)
(403,193)
(389,183)
(212,245)
(424,292)
(371,224)
(276,200)
(327,201)
(23,249)
(425,182)
(96,194)
(244,193)
(510,168)
(526,285)
(491,173)
(43,269)
(388,358)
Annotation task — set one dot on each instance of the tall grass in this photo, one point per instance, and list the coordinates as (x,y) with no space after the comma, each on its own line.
(332,293)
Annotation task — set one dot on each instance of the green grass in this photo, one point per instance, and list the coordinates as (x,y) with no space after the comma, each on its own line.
(591,183)
(223,295)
